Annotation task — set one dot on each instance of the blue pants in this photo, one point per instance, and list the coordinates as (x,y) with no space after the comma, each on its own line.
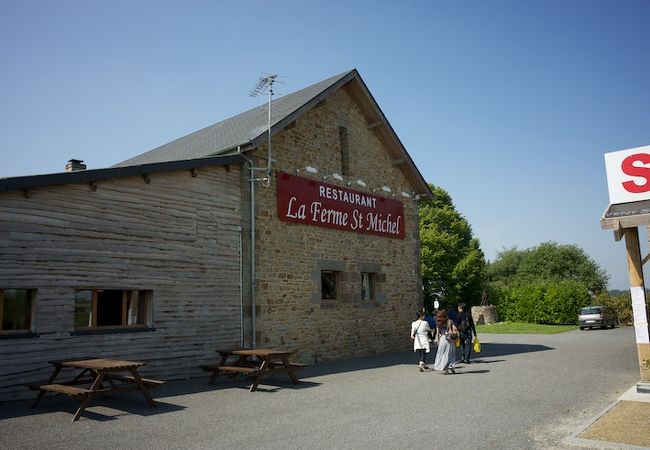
(466,345)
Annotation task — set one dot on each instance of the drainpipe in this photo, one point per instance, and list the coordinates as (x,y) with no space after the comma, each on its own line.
(241,287)
(253,274)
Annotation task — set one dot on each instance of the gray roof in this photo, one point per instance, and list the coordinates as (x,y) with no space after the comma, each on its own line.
(246,129)
(95,175)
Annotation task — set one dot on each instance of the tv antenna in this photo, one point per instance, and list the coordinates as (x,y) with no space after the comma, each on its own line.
(265,83)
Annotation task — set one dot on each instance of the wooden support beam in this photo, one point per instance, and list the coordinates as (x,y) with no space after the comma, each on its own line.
(373,125)
(93,185)
(645,260)
(637,289)
(619,231)
(194,172)
(147,178)
(634,264)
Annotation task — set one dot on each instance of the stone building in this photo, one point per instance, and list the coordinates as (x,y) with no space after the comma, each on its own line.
(197,245)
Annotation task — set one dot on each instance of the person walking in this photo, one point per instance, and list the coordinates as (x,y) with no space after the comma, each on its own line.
(420,334)
(446,337)
(466,328)
(451,312)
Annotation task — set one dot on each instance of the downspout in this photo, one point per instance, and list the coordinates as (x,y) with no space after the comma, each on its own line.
(241,287)
(253,273)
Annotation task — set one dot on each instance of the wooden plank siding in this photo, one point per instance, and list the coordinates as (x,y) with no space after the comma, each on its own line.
(178,236)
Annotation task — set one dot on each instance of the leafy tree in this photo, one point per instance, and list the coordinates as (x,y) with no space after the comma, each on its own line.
(549,261)
(453,264)
(502,272)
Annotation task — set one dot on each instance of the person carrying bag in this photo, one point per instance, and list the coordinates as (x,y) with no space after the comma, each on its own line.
(466,329)
(420,331)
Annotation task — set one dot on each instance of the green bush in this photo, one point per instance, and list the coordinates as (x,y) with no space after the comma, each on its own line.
(621,305)
(561,303)
(544,302)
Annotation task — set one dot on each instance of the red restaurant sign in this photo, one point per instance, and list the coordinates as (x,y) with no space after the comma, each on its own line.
(311,202)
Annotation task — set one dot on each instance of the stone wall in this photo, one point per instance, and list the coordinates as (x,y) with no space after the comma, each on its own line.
(290,257)
(484,314)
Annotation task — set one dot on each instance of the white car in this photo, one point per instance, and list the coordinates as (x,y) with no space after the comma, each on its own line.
(596,316)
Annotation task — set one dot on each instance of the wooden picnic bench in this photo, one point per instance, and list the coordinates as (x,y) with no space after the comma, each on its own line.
(104,377)
(254,363)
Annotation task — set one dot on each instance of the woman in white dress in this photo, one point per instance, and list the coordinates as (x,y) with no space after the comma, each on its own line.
(420,334)
(446,355)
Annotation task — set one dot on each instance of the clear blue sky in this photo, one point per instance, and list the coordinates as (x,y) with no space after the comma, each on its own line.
(508,105)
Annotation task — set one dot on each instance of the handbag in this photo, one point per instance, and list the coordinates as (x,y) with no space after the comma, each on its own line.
(451,335)
(476,346)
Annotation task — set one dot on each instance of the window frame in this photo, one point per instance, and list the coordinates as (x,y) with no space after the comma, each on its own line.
(337,283)
(372,286)
(345,150)
(29,330)
(124,310)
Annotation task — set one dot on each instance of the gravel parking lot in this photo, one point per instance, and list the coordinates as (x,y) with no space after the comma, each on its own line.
(522,391)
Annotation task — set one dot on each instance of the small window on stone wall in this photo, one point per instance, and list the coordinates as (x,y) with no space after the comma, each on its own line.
(345,151)
(329,284)
(367,286)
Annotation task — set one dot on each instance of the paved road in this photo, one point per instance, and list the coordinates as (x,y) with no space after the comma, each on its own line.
(524,391)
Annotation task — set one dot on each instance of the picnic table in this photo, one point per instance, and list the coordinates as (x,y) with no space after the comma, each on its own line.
(104,377)
(255,363)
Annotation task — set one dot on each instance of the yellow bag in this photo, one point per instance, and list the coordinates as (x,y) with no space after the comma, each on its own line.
(457,342)
(476,346)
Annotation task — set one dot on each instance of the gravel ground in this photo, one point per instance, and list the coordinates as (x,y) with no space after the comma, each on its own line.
(522,391)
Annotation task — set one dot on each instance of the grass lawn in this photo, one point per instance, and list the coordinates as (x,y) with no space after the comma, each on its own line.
(523,328)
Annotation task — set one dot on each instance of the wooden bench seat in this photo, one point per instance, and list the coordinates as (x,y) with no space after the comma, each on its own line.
(72,391)
(298,366)
(209,368)
(237,369)
(131,379)
(36,385)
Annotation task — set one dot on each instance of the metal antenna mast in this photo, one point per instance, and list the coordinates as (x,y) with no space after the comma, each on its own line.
(266,83)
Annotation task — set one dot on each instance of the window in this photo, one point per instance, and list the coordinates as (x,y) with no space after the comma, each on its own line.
(345,151)
(96,308)
(367,286)
(16,309)
(329,284)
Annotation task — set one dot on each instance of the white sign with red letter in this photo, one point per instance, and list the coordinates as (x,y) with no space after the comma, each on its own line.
(628,175)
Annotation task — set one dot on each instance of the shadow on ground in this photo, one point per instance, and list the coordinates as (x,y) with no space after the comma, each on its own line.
(133,403)
(495,349)
(113,407)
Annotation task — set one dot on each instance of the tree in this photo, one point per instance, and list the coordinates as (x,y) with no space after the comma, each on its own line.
(453,264)
(502,272)
(549,261)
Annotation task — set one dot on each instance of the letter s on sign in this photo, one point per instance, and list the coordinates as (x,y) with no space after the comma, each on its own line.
(629,168)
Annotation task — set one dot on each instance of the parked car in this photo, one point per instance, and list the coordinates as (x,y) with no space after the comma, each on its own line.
(596,316)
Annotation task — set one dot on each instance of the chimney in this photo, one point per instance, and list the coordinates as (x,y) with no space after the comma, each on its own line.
(75,165)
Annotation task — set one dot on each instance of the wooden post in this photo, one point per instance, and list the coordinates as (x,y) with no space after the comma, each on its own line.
(637,289)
